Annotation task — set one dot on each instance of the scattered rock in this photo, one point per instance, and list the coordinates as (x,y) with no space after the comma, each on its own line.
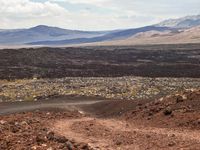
(48,113)
(118,143)
(34,147)
(30,130)
(149,118)
(179,99)
(2,122)
(168,111)
(69,145)
(85,147)
(150,114)
(50,148)
(24,123)
(148,136)
(60,139)
(14,129)
(171,144)
(198,121)
(40,139)
(44,145)
(50,135)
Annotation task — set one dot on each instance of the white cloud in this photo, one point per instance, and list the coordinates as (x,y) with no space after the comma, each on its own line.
(91,2)
(92,14)
(26,8)
(25,13)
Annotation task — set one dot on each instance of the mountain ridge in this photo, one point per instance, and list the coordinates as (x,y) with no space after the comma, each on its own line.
(47,35)
(42,32)
(110,36)
(183,22)
(191,35)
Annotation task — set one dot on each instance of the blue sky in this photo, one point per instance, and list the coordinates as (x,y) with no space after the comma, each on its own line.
(92,14)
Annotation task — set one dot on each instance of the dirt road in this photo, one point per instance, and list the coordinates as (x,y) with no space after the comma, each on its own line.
(57,103)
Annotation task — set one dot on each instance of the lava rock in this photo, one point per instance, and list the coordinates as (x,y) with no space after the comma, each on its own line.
(179,99)
(167,111)
(69,145)
(60,139)
(50,136)
(40,139)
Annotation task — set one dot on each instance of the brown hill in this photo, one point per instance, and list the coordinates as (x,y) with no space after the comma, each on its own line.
(191,35)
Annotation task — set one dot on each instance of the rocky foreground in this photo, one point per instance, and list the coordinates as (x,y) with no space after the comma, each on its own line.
(31,131)
(171,122)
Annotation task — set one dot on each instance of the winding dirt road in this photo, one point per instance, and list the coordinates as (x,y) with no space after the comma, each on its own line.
(55,103)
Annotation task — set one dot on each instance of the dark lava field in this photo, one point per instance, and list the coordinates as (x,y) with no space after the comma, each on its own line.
(146,61)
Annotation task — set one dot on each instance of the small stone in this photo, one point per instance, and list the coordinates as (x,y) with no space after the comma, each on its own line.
(63,146)
(179,99)
(118,143)
(50,148)
(69,145)
(60,139)
(150,114)
(34,147)
(149,118)
(172,143)
(24,123)
(148,136)
(48,113)
(50,135)
(198,121)
(14,129)
(85,147)
(173,135)
(44,145)
(16,123)
(2,122)
(167,111)
(40,139)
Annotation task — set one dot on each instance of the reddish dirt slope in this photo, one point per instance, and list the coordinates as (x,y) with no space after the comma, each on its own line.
(170,123)
(180,110)
(31,131)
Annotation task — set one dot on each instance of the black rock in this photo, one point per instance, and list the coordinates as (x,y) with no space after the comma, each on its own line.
(60,139)
(69,145)
(167,111)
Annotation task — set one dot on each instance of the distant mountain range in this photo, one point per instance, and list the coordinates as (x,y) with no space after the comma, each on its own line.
(191,35)
(43,33)
(107,37)
(185,22)
(166,31)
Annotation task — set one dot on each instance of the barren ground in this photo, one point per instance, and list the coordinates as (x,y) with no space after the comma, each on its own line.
(173,124)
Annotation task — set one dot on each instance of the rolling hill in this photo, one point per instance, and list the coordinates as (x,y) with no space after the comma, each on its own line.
(42,33)
(181,30)
(191,35)
(122,34)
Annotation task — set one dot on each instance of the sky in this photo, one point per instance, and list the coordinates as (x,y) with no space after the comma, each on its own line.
(92,14)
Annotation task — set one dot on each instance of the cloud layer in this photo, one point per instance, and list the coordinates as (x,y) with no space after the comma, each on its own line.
(92,14)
